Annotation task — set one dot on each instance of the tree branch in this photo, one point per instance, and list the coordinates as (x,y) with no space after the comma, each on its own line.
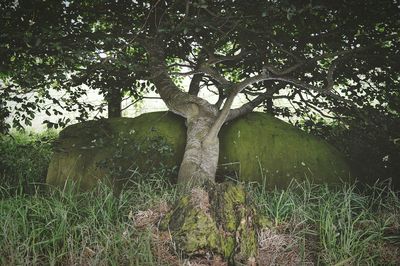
(208,70)
(249,106)
(289,53)
(315,108)
(215,59)
(235,90)
(176,100)
(194,86)
(221,97)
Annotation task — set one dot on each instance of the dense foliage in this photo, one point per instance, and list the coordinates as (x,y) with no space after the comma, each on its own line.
(60,45)
(24,160)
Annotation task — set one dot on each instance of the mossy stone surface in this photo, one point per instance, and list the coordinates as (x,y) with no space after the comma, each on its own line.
(251,147)
(83,148)
(261,145)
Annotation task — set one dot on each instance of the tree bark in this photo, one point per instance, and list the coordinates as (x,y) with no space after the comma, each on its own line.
(200,159)
(114,99)
(270,106)
(194,87)
(218,219)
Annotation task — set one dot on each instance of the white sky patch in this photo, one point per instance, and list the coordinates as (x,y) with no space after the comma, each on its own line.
(150,104)
(103,55)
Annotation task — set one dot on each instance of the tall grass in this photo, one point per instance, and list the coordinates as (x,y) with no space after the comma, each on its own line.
(339,226)
(74,228)
(342,225)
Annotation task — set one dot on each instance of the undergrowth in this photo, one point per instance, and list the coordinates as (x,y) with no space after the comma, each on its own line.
(321,225)
(24,158)
(342,225)
(66,227)
(325,226)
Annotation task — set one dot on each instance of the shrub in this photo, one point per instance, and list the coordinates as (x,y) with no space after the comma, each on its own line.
(24,159)
(372,146)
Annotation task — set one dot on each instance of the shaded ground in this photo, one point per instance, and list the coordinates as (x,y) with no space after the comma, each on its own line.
(274,247)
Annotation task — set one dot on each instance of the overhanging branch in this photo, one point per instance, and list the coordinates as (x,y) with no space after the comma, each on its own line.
(249,106)
(213,73)
(176,100)
(304,62)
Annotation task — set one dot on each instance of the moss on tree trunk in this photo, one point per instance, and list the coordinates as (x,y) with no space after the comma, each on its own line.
(217,219)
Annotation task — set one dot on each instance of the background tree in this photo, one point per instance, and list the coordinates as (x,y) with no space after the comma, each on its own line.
(49,49)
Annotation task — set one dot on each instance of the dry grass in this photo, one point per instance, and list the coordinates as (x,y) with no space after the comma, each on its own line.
(274,248)
(278,249)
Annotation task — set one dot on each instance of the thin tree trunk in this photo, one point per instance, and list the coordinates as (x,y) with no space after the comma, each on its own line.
(270,106)
(114,100)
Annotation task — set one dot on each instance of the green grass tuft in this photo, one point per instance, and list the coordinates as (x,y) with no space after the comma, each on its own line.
(68,227)
(337,226)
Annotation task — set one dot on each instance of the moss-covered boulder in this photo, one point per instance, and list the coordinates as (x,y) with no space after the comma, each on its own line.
(256,147)
(260,147)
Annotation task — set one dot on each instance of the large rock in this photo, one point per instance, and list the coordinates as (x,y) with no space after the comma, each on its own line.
(256,147)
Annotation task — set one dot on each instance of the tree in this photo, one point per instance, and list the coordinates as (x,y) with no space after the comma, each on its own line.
(56,46)
(229,45)
(333,58)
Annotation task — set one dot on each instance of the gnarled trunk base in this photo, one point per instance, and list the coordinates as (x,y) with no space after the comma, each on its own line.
(217,220)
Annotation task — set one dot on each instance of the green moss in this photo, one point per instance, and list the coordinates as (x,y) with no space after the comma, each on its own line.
(259,142)
(233,199)
(227,245)
(198,233)
(221,223)
(84,151)
(248,237)
(252,147)
(167,219)
(192,229)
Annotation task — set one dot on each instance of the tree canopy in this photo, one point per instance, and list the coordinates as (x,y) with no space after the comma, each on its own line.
(323,57)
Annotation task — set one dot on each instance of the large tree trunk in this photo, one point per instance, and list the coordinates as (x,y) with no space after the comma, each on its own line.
(200,159)
(210,217)
(217,219)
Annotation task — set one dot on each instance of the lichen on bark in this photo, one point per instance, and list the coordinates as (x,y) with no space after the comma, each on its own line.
(216,219)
